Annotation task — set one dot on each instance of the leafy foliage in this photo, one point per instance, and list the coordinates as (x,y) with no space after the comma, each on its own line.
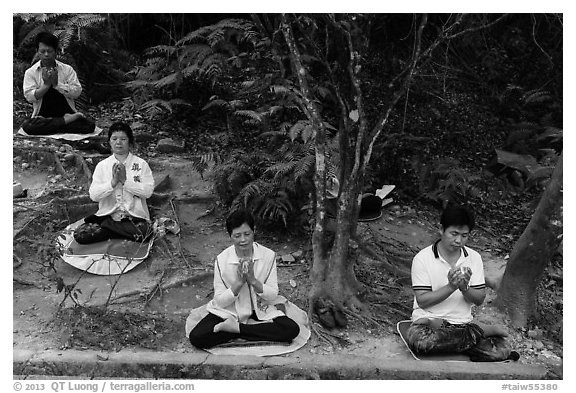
(201,55)
(273,186)
(445,182)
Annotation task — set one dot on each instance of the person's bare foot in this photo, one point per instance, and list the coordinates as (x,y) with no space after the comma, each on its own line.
(421,321)
(70,117)
(493,330)
(228,325)
(434,323)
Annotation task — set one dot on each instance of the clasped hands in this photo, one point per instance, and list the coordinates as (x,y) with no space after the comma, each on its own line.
(50,76)
(118,174)
(459,277)
(246,271)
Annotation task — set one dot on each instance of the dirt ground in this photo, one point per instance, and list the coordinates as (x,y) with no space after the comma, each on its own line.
(178,274)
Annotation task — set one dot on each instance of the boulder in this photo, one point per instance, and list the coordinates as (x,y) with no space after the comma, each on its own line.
(168,145)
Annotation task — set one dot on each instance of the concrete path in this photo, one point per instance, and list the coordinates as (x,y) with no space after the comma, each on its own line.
(71,364)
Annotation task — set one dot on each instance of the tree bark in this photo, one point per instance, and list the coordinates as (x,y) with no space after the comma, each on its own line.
(516,294)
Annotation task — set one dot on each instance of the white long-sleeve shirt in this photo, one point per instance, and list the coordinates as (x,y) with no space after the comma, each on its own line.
(225,304)
(129,197)
(68,85)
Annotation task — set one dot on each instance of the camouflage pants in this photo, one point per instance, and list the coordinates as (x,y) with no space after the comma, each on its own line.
(462,338)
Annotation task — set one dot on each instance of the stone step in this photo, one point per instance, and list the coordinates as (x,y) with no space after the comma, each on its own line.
(202,365)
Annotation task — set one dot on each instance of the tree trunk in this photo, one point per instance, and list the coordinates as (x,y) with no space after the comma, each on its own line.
(516,294)
(335,285)
(341,278)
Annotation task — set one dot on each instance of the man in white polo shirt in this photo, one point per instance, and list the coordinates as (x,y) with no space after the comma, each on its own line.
(447,279)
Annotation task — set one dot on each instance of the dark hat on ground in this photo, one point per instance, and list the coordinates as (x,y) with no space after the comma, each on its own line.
(370,208)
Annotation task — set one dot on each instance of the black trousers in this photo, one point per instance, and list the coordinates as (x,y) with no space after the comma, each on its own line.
(99,228)
(281,329)
(56,125)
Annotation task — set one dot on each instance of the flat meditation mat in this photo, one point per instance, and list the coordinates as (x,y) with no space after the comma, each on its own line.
(403,326)
(256,348)
(109,257)
(68,137)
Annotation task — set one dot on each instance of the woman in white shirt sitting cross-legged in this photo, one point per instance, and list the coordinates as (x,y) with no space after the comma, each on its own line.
(121,184)
(246,302)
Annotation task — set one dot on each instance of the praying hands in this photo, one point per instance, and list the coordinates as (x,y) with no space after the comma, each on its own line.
(50,76)
(118,174)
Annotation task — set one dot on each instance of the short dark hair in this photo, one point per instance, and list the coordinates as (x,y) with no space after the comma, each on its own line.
(48,39)
(457,216)
(124,127)
(237,218)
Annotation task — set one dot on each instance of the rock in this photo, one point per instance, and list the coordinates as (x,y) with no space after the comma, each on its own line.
(287,258)
(535,333)
(25,165)
(17,189)
(297,254)
(293,283)
(168,145)
(137,124)
(538,344)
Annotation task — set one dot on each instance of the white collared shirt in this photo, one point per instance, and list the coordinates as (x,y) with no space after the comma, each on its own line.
(240,307)
(430,272)
(129,197)
(68,85)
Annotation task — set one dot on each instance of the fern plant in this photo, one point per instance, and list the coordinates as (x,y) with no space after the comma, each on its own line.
(69,28)
(202,55)
(273,185)
(447,182)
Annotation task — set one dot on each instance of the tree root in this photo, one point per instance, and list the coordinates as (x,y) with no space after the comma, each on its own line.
(18,262)
(374,255)
(354,304)
(19,231)
(178,234)
(73,200)
(137,294)
(157,287)
(328,338)
(365,319)
(81,163)
(21,281)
